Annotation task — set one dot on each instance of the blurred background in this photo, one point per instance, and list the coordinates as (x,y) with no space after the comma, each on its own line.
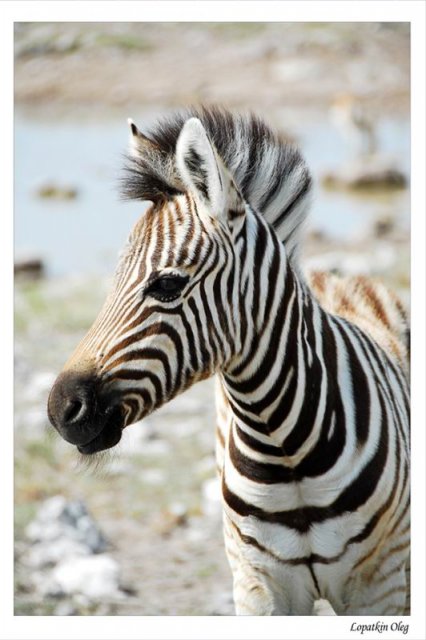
(141,534)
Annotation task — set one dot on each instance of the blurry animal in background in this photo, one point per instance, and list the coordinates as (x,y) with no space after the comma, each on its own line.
(312,390)
(355,123)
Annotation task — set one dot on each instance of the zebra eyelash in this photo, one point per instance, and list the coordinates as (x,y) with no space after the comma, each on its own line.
(165,287)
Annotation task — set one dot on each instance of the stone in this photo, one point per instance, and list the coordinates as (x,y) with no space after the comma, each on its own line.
(65,609)
(366,173)
(212,497)
(58,520)
(95,577)
(43,555)
(53,191)
(32,268)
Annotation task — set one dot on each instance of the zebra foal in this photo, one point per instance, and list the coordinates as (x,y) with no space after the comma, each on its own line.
(312,375)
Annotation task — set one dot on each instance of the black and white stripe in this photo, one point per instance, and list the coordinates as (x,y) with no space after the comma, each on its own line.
(313,405)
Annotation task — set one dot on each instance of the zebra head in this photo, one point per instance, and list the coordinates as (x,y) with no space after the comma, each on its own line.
(170,318)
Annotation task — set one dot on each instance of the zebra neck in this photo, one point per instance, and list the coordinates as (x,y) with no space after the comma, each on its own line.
(276,391)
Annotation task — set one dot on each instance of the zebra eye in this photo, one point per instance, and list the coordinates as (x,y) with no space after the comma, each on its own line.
(166,288)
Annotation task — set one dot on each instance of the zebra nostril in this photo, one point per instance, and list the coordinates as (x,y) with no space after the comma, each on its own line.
(74,411)
(73,407)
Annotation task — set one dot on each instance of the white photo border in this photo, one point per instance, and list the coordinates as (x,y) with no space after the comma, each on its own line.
(247,628)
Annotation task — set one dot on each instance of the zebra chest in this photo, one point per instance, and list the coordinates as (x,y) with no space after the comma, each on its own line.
(295,560)
(285,521)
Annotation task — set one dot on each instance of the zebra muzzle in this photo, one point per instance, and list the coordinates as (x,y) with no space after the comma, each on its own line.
(82,415)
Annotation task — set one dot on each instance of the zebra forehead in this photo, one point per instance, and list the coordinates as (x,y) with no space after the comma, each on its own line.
(165,218)
(168,234)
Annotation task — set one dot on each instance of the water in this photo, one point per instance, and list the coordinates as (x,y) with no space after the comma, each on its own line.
(72,235)
(346,215)
(84,235)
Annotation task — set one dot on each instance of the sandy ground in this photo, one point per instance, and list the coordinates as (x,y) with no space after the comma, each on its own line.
(154,499)
(87,68)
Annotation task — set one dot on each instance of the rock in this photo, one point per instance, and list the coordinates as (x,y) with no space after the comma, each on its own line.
(48,512)
(65,609)
(383,226)
(352,264)
(58,520)
(95,577)
(44,555)
(31,267)
(212,497)
(76,518)
(66,556)
(368,173)
(50,190)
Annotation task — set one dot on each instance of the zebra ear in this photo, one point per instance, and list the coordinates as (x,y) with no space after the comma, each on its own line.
(200,167)
(139,144)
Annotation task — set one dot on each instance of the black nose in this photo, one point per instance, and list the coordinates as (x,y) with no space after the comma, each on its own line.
(72,407)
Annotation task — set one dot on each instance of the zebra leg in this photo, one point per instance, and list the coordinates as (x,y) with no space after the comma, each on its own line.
(388,598)
(381,593)
(262,592)
(251,597)
(261,586)
(251,594)
(407,610)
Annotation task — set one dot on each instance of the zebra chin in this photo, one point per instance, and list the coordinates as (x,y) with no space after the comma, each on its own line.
(83,414)
(110,433)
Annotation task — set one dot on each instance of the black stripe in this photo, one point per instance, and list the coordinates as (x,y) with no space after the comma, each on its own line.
(148,353)
(349,500)
(135,374)
(258,445)
(313,382)
(250,384)
(316,462)
(259,256)
(360,389)
(202,339)
(302,191)
(261,472)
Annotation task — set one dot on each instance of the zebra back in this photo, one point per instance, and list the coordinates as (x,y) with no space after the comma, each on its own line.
(368,304)
(269,171)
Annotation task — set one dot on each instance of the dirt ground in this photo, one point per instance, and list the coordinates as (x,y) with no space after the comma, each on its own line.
(270,67)
(155,498)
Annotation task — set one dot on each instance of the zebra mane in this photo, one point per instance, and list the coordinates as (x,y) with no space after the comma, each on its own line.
(269,171)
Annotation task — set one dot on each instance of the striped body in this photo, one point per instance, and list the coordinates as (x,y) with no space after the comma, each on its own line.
(329,514)
(312,394)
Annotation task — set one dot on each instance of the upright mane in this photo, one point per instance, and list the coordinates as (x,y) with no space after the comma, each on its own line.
(270,172)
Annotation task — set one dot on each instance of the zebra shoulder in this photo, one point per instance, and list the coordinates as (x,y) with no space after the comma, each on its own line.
(369,304)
